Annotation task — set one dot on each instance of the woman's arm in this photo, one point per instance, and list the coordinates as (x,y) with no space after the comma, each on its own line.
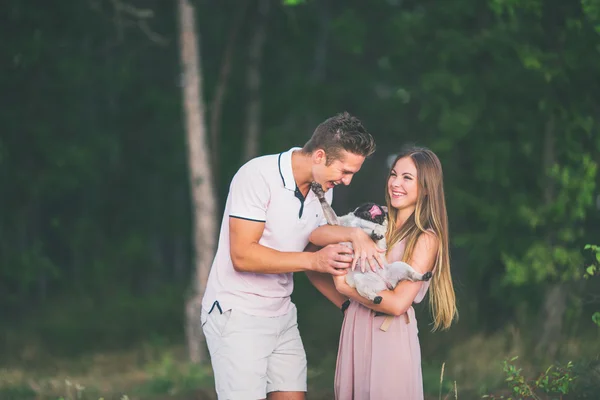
(366,251)
(328,234)
(398,301)
(324,283)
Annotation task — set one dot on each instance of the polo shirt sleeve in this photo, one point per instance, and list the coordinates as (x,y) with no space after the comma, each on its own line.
(249,194)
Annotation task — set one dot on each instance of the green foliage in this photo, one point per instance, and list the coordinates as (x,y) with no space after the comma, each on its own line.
(595,250)
(435,379)
(591,8)
(293,2)
(122,320)
(95,245)
(167,376)
(17,392)
(555,380)
(596,318)
(79,396)
(593,270)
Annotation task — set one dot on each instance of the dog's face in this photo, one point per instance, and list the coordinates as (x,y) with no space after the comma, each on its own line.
(372,212)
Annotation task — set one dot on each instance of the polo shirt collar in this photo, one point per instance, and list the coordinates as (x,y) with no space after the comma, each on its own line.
(285,169)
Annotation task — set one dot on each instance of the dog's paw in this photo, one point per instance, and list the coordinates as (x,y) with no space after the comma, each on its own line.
(427,276)
(317,188)
(376,237)
(377,299)
(380,230)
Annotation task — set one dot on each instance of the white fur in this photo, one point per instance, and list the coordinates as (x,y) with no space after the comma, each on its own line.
(369,283)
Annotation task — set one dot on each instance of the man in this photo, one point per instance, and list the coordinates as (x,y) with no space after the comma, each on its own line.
(247,316)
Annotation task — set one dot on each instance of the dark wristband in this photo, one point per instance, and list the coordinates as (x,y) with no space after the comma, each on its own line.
(345,305)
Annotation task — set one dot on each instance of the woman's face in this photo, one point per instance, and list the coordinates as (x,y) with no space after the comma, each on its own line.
(402,184)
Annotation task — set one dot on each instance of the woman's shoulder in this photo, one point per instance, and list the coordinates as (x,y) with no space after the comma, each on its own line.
(427,239)
(428,234)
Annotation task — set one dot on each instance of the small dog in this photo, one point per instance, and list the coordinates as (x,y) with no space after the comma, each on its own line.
(371,218)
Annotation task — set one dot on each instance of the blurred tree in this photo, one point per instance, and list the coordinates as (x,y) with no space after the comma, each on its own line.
(95,176)
(253,82)
(201,180)
(216,108)
(499,89)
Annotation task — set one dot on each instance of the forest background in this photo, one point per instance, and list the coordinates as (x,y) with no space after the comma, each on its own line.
(100,218)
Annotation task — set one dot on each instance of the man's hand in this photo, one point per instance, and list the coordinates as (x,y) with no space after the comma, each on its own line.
(366,252)
(332,259)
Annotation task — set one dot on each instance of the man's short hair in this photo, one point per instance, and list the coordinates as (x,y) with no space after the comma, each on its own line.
(338,133)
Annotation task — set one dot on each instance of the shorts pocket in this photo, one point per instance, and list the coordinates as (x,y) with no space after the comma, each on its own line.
(221,321)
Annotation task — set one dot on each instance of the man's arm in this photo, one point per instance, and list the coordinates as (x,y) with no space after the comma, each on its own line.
(248,255)
(366,252)
(324,282)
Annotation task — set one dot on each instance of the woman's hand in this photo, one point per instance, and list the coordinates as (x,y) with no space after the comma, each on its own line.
(366,251)
(340,283)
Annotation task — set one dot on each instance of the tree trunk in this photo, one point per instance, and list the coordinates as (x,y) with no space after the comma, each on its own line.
(317,75)
(217,103)
(202,191)
(555,299)
(253,83)
(555,305)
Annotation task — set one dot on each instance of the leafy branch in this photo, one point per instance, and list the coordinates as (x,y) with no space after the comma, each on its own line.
(593,270)
(125,14)
(555,380)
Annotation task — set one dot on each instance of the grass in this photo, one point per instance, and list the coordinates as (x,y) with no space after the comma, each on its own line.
(134,373)
(163,374)
(160,374)
(77,350)
(152,372)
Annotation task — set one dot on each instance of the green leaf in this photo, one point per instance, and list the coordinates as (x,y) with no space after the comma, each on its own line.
(596,318)
(293,2)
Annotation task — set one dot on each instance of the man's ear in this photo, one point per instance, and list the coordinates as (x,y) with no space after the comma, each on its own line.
(319,156)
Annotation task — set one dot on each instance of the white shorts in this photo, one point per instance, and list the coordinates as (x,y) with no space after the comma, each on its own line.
(252,356)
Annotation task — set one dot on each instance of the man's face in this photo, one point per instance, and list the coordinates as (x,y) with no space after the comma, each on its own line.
(339,171)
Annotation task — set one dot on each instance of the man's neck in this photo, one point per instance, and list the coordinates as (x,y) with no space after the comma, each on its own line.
(302,170)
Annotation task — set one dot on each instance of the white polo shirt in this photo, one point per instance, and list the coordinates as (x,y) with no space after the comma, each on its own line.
(263,190)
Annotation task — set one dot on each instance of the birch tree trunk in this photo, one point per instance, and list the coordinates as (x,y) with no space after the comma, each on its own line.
(555,298)
(253,83)
(203,196)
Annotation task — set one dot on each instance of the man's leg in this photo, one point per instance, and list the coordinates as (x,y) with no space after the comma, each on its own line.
(286,372)
(240,346)
(286,396)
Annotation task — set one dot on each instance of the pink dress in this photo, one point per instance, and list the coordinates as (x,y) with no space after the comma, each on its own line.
(377,365)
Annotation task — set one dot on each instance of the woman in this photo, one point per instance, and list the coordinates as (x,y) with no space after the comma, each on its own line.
(379,360)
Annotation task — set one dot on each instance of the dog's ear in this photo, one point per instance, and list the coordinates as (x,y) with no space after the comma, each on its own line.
(363,207)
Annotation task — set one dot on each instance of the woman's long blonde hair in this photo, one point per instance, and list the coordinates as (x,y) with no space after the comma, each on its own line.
(430,214)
